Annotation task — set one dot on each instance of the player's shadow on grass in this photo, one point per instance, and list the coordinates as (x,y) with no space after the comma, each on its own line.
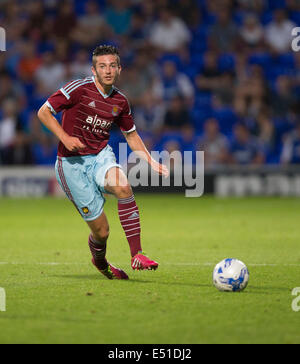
(265,290)
(130,280)
(169,283)
(79,276)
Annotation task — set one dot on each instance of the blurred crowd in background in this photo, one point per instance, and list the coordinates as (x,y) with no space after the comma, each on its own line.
(212,75)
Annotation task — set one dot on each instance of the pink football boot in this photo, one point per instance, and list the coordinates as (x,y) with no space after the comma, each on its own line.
(112,272)
(141,262)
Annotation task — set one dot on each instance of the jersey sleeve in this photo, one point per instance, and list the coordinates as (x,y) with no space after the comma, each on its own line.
(125,119)
(64,98)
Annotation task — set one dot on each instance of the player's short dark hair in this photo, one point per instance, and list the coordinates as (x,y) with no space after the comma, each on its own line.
(105,49)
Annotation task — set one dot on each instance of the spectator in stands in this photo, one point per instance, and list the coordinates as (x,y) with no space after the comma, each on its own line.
(292,5)
(225,91)
(291,147)
(39,96)
(80,67)
(252,33)
(44,150)
(12,21)
(137,32)
(278,33)
(296,72)
(44,144)
(250,91)
(242,68)
(185,9)
(244,148)
(210,76)
(188,137)
(169,33)
(12,89)
(29,62)
(133,84)
(192,37)
(224,33)
(213,143)
(177,115)
(264,130)
(3,67)
(65,21)
(173,83)
(283,98)
(36,24)
(251,5)
(50,72)
(211,7)
(148,12)
(118,16)
(149,115)
(172,145)
(62,50)
(14,146)
(91,27)
(146,67)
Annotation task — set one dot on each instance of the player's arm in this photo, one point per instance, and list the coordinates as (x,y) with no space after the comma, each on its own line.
(136,145)
(62,99)
(71,143)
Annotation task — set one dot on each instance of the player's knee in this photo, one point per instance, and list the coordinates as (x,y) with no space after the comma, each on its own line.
(124,191)
(101,233)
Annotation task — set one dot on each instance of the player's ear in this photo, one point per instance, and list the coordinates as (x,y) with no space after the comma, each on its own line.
(120,69)
(93,70)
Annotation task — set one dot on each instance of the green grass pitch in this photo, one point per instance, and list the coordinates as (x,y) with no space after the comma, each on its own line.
(55,295)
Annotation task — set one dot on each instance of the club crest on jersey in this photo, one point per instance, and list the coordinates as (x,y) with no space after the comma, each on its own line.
(115,110)
(95,121)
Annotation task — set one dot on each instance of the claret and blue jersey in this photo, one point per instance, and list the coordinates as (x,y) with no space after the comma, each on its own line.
(88,114)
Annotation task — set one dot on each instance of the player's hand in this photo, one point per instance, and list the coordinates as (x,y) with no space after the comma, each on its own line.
(161,169)
(73,144)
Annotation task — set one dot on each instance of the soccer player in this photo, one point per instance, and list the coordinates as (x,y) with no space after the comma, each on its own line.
(86,165)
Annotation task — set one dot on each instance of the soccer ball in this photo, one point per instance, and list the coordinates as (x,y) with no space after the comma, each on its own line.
(230,275)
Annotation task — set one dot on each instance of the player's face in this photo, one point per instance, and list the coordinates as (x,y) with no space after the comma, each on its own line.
(107,69)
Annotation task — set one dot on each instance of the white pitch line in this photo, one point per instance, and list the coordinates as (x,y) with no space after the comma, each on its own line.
(41,263)
(252,264)
(163,263)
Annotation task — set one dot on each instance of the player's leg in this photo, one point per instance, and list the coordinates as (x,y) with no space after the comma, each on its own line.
(117,183)
(97,243)
(97,240)
(76,179)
